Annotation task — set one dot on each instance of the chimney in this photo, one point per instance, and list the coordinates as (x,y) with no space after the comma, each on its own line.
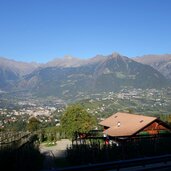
(119,124)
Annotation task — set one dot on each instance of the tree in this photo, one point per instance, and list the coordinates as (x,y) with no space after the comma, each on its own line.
(33,124)
(76,119)
(169,119)
(17,126)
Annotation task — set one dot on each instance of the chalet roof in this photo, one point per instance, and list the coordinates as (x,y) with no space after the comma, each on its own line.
(125,124)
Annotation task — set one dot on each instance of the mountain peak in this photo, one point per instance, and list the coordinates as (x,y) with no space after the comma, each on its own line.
(66,61)
(115,55)
(68,57)
(118,57)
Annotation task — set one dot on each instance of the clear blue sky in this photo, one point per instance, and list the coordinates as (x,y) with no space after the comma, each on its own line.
(40,30)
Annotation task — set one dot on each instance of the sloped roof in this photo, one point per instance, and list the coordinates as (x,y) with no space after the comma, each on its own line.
(125,124)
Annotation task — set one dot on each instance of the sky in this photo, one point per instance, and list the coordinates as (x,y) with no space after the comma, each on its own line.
(41,30)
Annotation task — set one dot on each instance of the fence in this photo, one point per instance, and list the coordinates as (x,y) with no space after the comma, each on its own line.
(19,151)
(14,139)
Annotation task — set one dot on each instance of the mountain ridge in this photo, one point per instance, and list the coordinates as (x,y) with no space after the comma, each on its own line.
(79,77)
(21,68)
(162,63)
(112,73)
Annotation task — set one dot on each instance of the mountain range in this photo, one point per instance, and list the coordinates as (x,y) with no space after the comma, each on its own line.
(70,77)
(162,63)
(11,71)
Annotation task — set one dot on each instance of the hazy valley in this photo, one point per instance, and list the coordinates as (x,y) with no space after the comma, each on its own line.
(71,78)
(102,85)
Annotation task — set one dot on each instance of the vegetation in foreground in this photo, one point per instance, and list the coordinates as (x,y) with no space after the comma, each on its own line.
(96,152)
(76,119)
(25,158)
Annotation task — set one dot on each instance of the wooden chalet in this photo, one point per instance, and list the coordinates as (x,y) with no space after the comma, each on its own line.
(126,125)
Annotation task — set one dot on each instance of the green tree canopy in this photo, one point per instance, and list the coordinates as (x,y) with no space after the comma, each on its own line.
(33,124)
(76,119)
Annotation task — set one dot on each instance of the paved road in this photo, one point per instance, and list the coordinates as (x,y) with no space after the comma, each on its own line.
(57,151)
